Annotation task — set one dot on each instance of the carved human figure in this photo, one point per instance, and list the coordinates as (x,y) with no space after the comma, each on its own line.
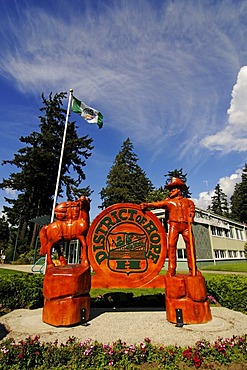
(181,213)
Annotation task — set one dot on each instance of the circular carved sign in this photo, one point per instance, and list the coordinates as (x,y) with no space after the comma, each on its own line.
(126,246)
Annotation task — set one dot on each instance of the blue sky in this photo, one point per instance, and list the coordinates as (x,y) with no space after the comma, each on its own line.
(170,75)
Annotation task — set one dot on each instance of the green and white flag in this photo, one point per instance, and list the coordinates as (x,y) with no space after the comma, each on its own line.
(91,115)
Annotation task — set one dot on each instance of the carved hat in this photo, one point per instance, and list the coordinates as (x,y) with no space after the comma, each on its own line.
(176,183)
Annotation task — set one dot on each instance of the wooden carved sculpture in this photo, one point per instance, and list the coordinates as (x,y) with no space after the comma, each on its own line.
(72,223)
(185,294)
(66,288)
(126,248)
(181,212)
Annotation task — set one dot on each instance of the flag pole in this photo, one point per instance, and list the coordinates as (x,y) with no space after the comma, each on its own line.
(192,251)
(61,156)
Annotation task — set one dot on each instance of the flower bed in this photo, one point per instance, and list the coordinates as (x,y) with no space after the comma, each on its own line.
(89,354)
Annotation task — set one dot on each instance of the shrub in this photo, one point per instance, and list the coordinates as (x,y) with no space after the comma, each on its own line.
(229,290)
(25,291)
(21,291)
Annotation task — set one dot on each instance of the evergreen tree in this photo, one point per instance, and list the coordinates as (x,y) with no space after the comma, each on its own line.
(239,199)
(219,203)
(126,181)
(4,232)
(37,163)
(180,175)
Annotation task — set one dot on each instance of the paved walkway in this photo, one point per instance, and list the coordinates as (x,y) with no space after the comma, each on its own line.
(129,325)
(23,268)
(28,268)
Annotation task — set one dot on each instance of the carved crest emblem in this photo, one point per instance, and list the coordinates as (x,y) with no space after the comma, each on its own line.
(125,243)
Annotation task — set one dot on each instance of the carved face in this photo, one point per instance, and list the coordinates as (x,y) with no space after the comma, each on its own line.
(174,192)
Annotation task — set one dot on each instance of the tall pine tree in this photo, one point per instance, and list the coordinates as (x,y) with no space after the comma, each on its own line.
(126,181)
(239,199)
(37,163)
(219,204)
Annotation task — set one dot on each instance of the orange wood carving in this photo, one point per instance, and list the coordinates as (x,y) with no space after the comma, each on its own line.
(66,292)
(126,248)
(66,287)
(180,212)
(72,223)
(187,293)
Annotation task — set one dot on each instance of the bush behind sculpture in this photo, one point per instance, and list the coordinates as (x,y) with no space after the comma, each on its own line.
(25,291)
(230,291)
(21,291)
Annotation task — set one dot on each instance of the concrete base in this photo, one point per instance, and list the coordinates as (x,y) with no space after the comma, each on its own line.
(129,325)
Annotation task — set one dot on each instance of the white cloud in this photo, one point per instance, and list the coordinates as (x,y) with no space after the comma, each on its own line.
(10,192)
(227,185)
(234,136)
(153,75)
(204,199)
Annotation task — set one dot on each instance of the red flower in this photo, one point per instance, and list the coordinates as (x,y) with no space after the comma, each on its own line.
(187,353)
(197,361)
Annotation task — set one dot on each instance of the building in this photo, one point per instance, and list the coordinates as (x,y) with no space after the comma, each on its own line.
(218,239)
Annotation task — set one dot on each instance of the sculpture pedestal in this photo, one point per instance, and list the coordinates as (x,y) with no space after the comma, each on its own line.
(66,292)
(188,295)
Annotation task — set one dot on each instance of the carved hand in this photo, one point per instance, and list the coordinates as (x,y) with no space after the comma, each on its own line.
(143,206)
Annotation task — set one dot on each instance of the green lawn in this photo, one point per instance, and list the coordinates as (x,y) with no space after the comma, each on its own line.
(231,267)
(9,272)
(137,292)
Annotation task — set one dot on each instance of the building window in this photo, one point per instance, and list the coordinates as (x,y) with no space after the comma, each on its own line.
(227,233)
(217,254)
(230,254)
(181,254)
(220,254)
(239,234)
(219,231)
(231,233)
(213,229)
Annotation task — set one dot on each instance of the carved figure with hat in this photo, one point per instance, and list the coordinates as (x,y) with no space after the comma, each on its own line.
(181,212)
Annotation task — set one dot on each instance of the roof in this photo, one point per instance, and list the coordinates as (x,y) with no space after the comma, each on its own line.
(42,220)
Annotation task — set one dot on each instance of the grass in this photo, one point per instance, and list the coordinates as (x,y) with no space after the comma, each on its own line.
(10,272)
(137,292)
(231,267)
